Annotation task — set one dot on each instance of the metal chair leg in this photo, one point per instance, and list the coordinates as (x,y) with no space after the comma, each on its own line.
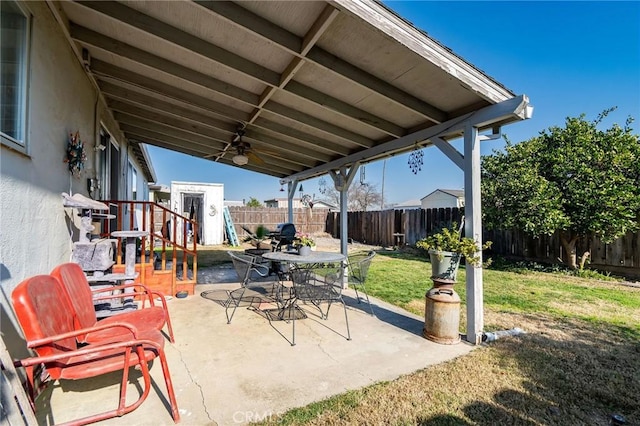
(346,319)
(366,295)
(229,318)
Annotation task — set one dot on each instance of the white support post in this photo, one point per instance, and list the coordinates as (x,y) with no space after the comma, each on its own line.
(344,223)
(473,229)
(342,181)
(291,190)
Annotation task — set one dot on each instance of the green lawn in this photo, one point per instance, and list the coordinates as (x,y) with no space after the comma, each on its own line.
(578,363)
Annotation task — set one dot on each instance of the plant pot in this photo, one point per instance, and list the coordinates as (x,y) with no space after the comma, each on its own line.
(263,245)
(444,264)
(304,250)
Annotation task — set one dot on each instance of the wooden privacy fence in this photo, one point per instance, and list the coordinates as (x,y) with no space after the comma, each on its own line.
(306,220)
(398,227)
(390,227)
(621,257)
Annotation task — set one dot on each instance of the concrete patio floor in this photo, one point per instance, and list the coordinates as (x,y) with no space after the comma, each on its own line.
(247,371)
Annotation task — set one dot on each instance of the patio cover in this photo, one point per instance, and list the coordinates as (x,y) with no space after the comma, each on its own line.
(315,86)
(310,82)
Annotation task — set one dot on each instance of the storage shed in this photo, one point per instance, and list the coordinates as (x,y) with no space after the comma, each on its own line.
(202,202)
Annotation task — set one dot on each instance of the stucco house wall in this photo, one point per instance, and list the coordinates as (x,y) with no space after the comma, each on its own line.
(36,231)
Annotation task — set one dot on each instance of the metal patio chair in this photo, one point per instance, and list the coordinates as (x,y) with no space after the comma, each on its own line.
(318,285)
(148,317)
(250,270)
(358,269)
(48,321)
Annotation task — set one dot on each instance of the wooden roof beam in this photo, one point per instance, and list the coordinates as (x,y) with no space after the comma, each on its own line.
(173,132)
(268,170)
(153,121)
(116,47)
(141,100)
(316,31)
(181,38)
(510,110)
(168,121)
(304,141)
(290,42)
(208,50)
(89,37)
(177,143)
(406,34)
(116,76)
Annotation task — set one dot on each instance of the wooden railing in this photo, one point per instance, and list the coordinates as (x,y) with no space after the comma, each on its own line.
(167,231)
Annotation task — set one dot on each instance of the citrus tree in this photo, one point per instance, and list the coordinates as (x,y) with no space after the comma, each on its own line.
(579,180)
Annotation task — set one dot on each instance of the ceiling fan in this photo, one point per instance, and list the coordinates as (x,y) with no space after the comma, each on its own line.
(244,153)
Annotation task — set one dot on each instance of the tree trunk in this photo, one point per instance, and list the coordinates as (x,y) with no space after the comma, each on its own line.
(569,244)
(583,259)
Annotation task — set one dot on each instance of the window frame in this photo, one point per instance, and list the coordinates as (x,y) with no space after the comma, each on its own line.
(5,139)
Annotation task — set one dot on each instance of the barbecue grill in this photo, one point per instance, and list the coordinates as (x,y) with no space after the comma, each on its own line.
(284,235)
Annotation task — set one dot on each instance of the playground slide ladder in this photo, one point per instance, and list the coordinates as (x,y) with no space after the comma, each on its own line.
(228,225)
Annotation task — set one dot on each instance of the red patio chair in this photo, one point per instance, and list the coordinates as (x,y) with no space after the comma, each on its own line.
(47,319)
(148,318)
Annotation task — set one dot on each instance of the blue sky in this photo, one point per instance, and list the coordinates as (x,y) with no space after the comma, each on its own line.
(570,58)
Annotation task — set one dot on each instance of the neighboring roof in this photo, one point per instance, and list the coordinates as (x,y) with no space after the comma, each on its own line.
(184,183)
(457,193)
(408,204)
(275,200)
(320,203)
(159,187)
(316,85)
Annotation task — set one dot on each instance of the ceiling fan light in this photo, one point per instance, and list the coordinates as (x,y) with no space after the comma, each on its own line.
(240,159)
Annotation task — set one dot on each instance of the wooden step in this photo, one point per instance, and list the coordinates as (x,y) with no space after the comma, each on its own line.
(187,285)
(159,280)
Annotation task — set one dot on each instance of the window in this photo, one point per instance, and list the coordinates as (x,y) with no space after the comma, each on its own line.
(134,183)
(14,55)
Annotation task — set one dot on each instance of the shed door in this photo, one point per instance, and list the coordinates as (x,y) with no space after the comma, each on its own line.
(192,205)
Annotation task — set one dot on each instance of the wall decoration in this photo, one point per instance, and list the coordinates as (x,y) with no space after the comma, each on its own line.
(75,154)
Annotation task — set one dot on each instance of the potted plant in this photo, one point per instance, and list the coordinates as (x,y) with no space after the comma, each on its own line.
(303,242)
(257,238)
(447,247)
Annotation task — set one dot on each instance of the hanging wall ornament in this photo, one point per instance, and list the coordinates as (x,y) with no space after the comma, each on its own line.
(322,186)
(307,201)
(75,154)
(415,160)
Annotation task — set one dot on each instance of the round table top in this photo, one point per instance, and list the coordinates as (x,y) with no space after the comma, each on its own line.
(125,234)
(313,257)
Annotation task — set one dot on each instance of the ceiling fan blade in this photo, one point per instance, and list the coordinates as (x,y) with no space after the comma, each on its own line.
(254,158)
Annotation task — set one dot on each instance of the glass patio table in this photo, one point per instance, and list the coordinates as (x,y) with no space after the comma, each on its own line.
(304,273)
